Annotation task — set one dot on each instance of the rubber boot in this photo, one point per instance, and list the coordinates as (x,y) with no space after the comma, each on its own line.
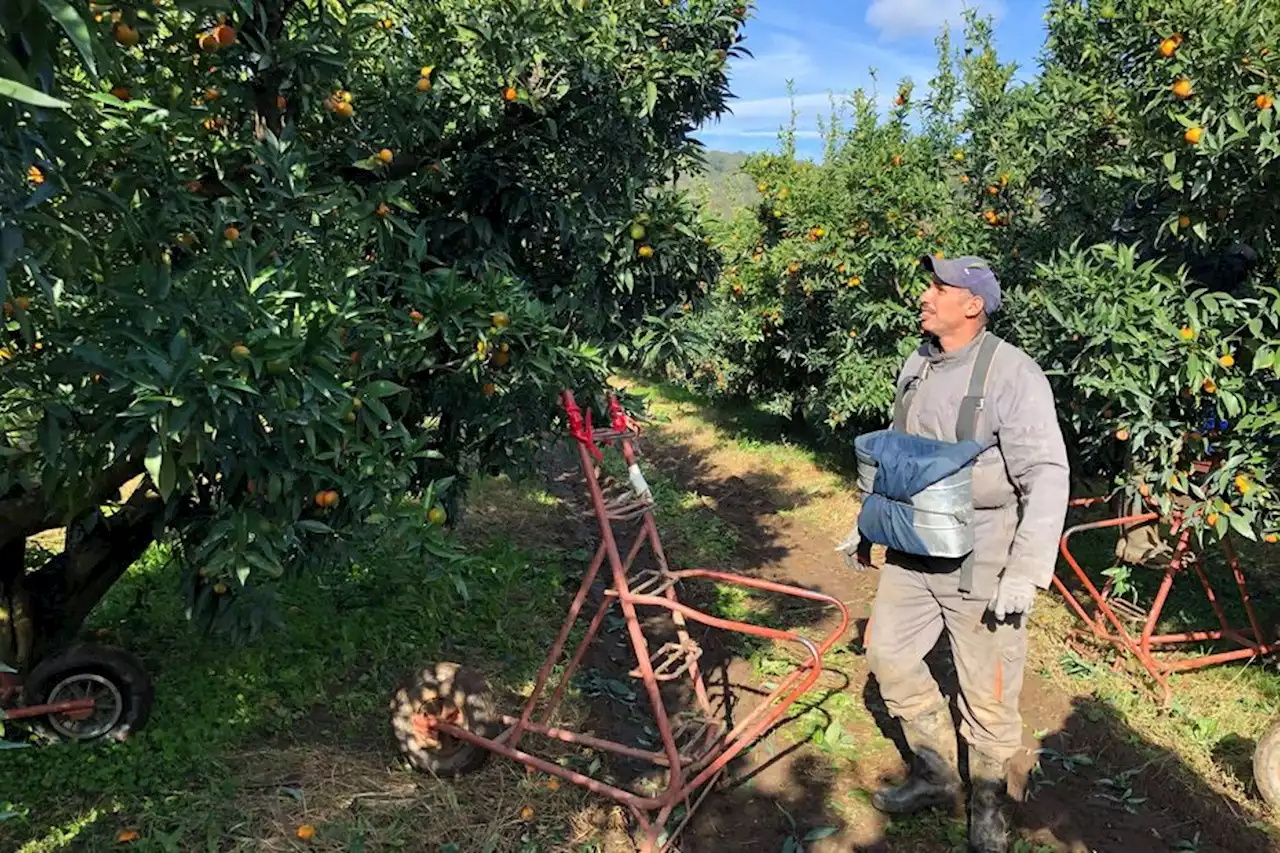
(933,780)
(989,823)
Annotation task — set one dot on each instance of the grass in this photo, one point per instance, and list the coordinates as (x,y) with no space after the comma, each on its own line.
(247,743)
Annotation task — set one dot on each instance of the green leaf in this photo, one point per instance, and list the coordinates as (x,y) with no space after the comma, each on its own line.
(312,526)
(15,91)
(160,467)
(75,28)
(820,832)
(382,388)
(650,97)
(1239,525)
(1176,182)
(1170,160)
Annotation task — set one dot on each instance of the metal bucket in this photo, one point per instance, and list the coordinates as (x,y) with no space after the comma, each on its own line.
(943,512)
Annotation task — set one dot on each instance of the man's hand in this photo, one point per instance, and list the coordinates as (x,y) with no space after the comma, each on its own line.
(857,554)
(1014,595)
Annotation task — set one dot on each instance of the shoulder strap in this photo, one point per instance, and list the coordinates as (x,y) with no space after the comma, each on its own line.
(971,405)
(903,405)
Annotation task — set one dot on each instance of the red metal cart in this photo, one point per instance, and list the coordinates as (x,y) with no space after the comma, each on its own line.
(445,720)
(1109,615)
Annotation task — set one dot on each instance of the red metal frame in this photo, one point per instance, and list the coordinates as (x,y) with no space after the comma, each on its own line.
(1105,624)
(707,753)
(11,688)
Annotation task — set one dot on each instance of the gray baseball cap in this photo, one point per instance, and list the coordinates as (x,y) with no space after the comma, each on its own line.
(972,273)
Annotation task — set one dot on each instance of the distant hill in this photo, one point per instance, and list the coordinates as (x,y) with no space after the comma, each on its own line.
(723,187)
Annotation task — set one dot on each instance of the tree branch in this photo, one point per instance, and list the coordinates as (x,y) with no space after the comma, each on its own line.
(27,513)
(66,589)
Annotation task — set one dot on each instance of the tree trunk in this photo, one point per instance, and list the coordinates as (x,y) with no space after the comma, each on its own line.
(45,609)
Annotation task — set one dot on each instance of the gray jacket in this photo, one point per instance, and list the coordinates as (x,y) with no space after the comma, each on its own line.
(1021,484)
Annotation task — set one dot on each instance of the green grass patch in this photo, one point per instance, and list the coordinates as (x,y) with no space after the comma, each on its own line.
(349,635)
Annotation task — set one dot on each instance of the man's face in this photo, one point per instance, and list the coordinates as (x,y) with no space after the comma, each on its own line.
(944,309)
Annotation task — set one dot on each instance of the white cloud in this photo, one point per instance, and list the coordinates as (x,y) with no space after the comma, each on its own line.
(780,108)
(897,18)
(785,58)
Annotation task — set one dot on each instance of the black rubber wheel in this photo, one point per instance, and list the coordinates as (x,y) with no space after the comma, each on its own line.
(444,690)
(1266,766)
(112,676)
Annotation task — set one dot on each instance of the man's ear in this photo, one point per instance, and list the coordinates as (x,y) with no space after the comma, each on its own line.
(974,306)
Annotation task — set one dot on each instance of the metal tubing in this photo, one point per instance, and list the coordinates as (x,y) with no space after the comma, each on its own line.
(67,706)
(589,740)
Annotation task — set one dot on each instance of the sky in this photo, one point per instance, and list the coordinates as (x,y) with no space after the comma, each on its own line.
(827,49)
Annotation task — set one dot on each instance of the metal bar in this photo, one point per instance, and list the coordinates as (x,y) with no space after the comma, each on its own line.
(67,706)
(1224,657)
(578,655)
(1166,583)
(1234,561)
(1211,595)
(592,785)
(591,741)
(638,642)
(544,672)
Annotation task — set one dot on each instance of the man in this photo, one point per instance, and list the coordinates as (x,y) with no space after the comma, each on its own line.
(1020,490)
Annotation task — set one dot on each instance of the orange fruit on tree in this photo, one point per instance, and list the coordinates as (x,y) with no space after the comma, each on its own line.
(501,358)
(385,155)
(1122,434)
(1210,387)
(1182,88)
(489,389)
(1184,221)
(855,281)
(382,209)
(499,319)
(510,94)
(281,103)
(225,35)
(897,158)
(1193,135)
(1243,485)
(344,109)
(1212,519)
(23,302)
(220,588)
(1264,101)
(645,251)
(1187,333)
(211,94)
(127,836)
(423,84)
(125,34)
(35,175)
(208,42)
(1168,47)
(239,352)
(1227,360)
(120,93)
(231,232)
(416,316)
(306,832)
(964,179)
(1271,538)
(437,515)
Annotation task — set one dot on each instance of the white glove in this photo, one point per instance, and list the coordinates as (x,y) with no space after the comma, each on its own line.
(1014,595)
(857,555)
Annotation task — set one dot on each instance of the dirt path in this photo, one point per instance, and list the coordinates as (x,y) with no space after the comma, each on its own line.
(1108,791)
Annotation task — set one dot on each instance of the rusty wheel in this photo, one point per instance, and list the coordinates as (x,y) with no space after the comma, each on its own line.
(1266,766)
(447,692)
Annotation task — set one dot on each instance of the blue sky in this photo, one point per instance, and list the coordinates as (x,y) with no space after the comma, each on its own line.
(827,48)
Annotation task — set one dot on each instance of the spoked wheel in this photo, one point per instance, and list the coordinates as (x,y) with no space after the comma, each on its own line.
(114,679)
(449,693)
(1266,766)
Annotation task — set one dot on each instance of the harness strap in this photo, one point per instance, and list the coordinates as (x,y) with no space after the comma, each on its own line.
(972,404)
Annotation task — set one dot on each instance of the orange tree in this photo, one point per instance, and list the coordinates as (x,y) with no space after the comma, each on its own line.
(1125,196)
(283,262)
